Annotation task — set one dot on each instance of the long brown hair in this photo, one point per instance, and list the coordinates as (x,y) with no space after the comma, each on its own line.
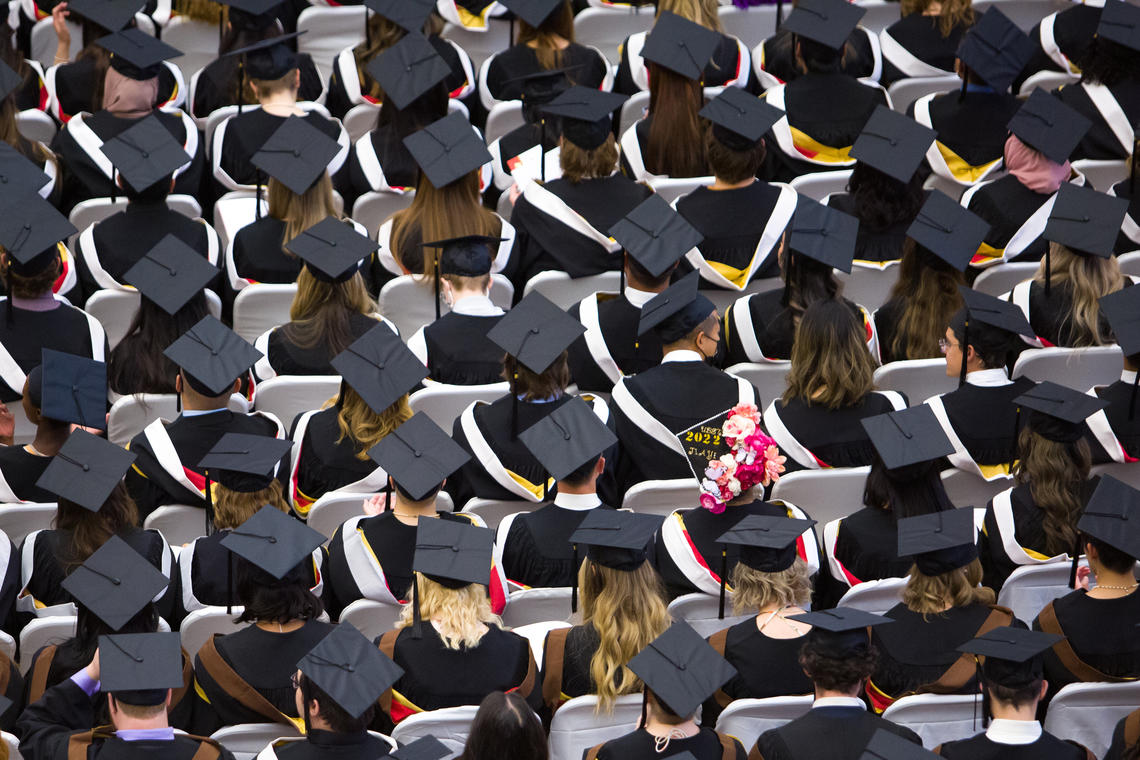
(932,594)
(439,213)
(357,422)
(300,212)
(953,13)
(383,34)
(676,142)
(831,366)
(1090,278)
(232,508)
(85,531)
(1055,472)
(928,289)
(579,164)
(321,310)
(543,39)
(35,152)
(703,12)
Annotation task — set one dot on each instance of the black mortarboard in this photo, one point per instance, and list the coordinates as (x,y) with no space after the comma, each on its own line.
(410,15)
(212,355)
(948,229)
(680,45)
(146,153)
(1113,516)
(1049,126)
(30,226)
(996,49)
(18,175)
(1058,413)
(568,438)
(419,455)
(533,12)
(840,632)
(586,114)
(135,54)
(452,553)
(1013,655)
(9,80)
(823,233)
(332,249)
(536,332)
(1122,310)
(408,69)
(828,22)
(893,143)
(1085,221)
(273,541)
(540,87)
(349,669)
(994,312)
(467,256)
(296,155)
(939,542)
(681,669)
(426,748)
(244,462)
(616,539)
(74,389)
(112,15)
(171,273)
(907,436)
(768,543)
(86,470)
(379,367)
(253,7)
(1120,23)
(115,582)
(447,150)
(139,663)
(655,235)
(739,118)
(278,60)
(885,745)
(676,311)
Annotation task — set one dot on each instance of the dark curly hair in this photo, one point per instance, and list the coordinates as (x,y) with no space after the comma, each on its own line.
(881,200)
(835,674)
(995,348)
(267,599)
(340,722)
(1108,63)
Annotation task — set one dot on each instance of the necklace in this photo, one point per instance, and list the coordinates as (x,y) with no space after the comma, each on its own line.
(1127,587)
(661,743)
(776,613)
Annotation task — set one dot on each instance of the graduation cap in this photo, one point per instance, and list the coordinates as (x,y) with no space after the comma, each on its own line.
(1085,221)
(681,669)
(1013,655)
(616,539)
(410,15)
(273,541)
(823,233)
(116,582)
(136,54)
(466,256)
(419,455)
(885,745)
(893,143)
(270,55)
(453,554)
(981,309)
(138,668)
(948,229)
(447,150)
(768,544)
(112,15)
(1112,516)
(568,438)
(332,249)
(243,462)
(540,87)
(828,22)
(739,118)
(253,7)
(18,175)
(676,311)
(655,235)
(408,69)
(379,367)
(171,273)
(1122,310)
(907,436)
(1049,126)
(939,542)
(212,356)
(1120,23)
(74,389)
(996,49)
(86,470)
(296,155)
(9,81)
(1058,413)
(30,227)
(146,153)
(349,669)
(840,632)
(680,45)
(587,114)
(425,748)
(533,12)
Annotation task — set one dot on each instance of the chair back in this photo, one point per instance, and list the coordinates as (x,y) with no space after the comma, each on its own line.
(1076,368)
(564,291)
(262,306)
(370,617)
(937,718)
(289,395)
(360,120)
(536,605)
(481,45)
(702,612)
(178,523)
(504,117)
(723,298)
(824,495)
(18,520)
(750,25)
(1030,587)
(374,208)
(330,30)
(1087,713)
(874,596)
(444,403)
(187,205)
(746,719)
(200,626)
(88,212)
(999,280)
(577,725)
(130,414)
(44,41)
(1102,175)
(966,489)
(671,189)
(770,378)
(42,631)
(1130,262)
(198,41)
(331,510)
(23,432)
(819,185)
(1128,472)
(1045,80)
(633,110)
(450,725)
(607,28)
(492,511)
(35,125)
(247,740)
(870,287)
(409,303)
(918,379)
(906,91)
(535,634)
(880,14)
(13,745)
(662,497)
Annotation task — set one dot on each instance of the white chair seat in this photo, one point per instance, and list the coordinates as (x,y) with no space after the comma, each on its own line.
(329,31)
(662,497)
(331,510)
(260,307)
(450,726)
(289,395)
(578,725)
(564,291)
(874,596)
(492,511)
(1087,713)
(18,520)
(1030,587)
(246,740)
(41,632)
(535,634)
(819,185)
(197,41)
(701,611)
(178,523)
(408,301)
(870,287)
(750,25)
(999,280)
(746,719)
(918,379)
(1102,175)
(537,605)
(200,626)
(1076,368)
(825,495)
(35,125)
(444,403)
(373,209)
(967,489)
(937,718)
(360,120)
(906,91)
(370,617)
(504,117)
(607,28)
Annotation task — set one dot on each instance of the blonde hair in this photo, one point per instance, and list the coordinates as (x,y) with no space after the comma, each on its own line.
(628,610)
(300,212)
(1090,277)
(932,594)
(201,10)
(440,214)
(580,164)
(755,589)
(831,366)
(703,12)
(951,14)
(232,508)
(461,615)
(366,428)
(928,289)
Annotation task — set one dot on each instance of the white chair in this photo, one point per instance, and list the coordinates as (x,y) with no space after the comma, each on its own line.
(287,396)
(13,745)
(36,125)
(373,209)
(18,520)
(671,189)
(8,645)
(44,41)
(870,287)
(370,617)
(200,626)
(178,523)
(999,280)
(198,41)
(1023,13)
(662,497)
(187,205)
(1077,368)
(331,510)
(503,118)
(246,740)
(535,605)
(607,28)
(43,631)
(235,210)
(450,725)
(1030,587)
(750,25)
(1102,175)
(818,185)
(330,30)
(481,45)
(130,414)
(874,596)
(409,302)
(746,719)
(444,403)
(701,611)
(360,120)
(578,725)
(879,15)
(492,511)
(937,718)
(906,91)
(919,379)
(1129,472)
(770,378)
(723,298)
(94,210)
(1129,263)
(535,634)
(260,307)
(1087,713)
(966,489)
(632,110)
(115,310)
(1046,80)
(825,495)
(564,291)
(24,431)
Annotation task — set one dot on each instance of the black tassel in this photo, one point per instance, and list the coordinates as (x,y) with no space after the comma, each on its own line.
(965,80)
(257,194)
(435,266)
(723,572)
(514,405)
(779,14)
(209,505)
(621,288)
(114,185)
(542,150)
(417,621)
(388,496)
(644,706)
(1013,445)
(1132,397)
(241,84)
(965,347)
(574,586)
(1076,561)
(229,583)
(1048,270)
(981,694)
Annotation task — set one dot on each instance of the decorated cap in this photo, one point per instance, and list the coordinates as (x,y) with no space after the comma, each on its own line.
(243,462)
(948,229)
(768,543)
(296,155)
(86,470)
(273,541)
(681,669)
(171,273)
(828,22)
(350,669)
(115,582)
(1049,126)
(447,150)
(893,143)
(212,356)
(408,69)
(939,542)
(996,49)
(907,436)
(655,235)
(680,45)
(568,438)
(616,539)
(332,249)
(379,367)
(419,456)
(1059,413)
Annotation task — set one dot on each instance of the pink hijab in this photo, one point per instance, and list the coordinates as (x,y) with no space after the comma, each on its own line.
(1032,169)
(128,98)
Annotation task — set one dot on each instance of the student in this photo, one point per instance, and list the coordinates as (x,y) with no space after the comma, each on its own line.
(774,60)
(519,148)
(924,42)
(1129,237)
(1120,308)
(1061,41)
(504,725)
(42,165)
(22,466)
(25,84)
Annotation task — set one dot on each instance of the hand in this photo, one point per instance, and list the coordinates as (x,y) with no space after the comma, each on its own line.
(515,192)
(374,504)
(59,15)
(7,425)
(1083,576)
(92,668)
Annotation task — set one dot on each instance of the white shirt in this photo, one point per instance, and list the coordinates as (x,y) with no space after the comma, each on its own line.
(1128,376)
(682,355)
(1006,731)
(577,502)
(839,702)
(639,297)
(988,378)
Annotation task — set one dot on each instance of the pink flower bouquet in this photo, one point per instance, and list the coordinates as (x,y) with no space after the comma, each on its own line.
(754,459)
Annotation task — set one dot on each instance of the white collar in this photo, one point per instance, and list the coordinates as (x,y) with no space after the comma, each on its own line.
(577,502)
(638,297)
(682,355)
(1006,731)
(988,378)
(476,306)
(1128,376)
(839,702)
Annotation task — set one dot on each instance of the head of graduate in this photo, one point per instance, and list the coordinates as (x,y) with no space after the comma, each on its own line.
(683,319)
(984,335)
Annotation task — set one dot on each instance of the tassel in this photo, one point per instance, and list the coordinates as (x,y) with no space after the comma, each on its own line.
(436,267)
(241,84)
(574,585)
(1076,561)
(229,582)
(114,184)
(542,150)
(257,195)
(417,621)
(514,405)
(1013,446)
(209,505)
(1048,273)
(644,706)
(723,572)
(965,348)
(779,14)
(1132,397)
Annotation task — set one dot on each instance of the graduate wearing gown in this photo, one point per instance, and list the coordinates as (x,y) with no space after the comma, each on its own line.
(924,44)
(774,59)
(1062,40)
(729,64)
(22,466)
(1120,414)
(519,148)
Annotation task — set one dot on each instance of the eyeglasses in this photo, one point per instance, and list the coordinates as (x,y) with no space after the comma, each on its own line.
(944,345)
(295,679)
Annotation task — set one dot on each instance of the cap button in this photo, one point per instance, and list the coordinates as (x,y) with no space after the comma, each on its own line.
(74,387)
(296,153)
(823,233)
(27,225)
(213,352)
(173,272)
(380,365)
(455,549)
(145,154)
(417,453)
(87,468)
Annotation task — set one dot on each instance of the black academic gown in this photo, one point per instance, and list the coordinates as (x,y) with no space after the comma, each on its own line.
(1051,317)
(1119,398)
(64,328)
(1125,735)
(774,59)
(865,548)
(971,130)
(729,65)
(765,666)
(326,461)
(984,419)
(1129,238)
(610,347)
(284,357)
(328,745)
(214,85)
(32,93)
(536,545)
(20,470)
(707,744)
(244,135)
(764,316)
(826,733)
(513,144)
(1061,39)
(75,86)
(874,244)
(1006,205)
(9,588)
(922,50)
(981,747)
(376,162)
(1100,143)
(457,349)
(501,80)
(813,436)
(568,676)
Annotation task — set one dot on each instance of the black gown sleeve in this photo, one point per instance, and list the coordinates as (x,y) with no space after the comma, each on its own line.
(46,726)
